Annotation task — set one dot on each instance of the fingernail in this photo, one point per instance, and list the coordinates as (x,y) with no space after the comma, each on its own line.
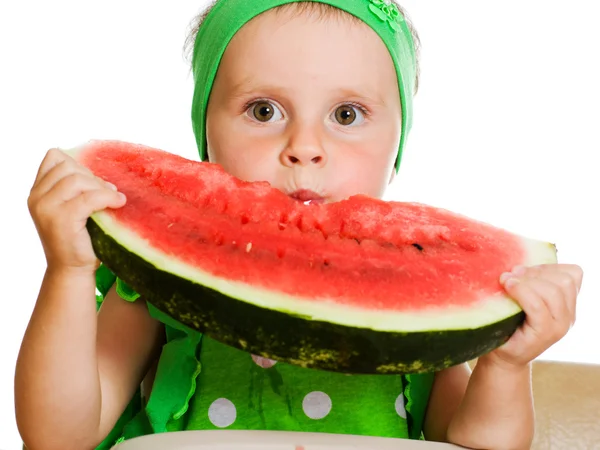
(122,196)
(519,270)
(112,186)
(512,281)
(505,276)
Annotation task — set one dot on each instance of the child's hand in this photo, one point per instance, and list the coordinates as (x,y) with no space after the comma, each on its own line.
(547,294)
(62,198)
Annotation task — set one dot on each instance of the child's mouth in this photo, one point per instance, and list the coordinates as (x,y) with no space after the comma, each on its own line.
(307,197)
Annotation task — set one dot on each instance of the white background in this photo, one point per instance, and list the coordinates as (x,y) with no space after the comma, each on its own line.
(506,125)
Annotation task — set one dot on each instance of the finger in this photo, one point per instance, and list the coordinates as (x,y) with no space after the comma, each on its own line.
(53,157)
(88,202)
(64,190)
(554,298)
(572,270)
(566,283)
(63,170)
(71,186)
(58,172)
(567,276)
(537,313)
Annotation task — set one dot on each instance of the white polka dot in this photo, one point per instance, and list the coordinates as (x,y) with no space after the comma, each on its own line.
(316,405)
(400,406)
(222,413)
(265,363)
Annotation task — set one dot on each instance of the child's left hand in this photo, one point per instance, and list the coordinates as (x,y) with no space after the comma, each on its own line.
(547,294)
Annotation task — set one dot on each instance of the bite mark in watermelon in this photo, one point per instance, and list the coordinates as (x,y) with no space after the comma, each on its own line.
(361,285)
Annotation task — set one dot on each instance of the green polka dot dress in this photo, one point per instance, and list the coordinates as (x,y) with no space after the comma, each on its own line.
(202,384)
(239,391)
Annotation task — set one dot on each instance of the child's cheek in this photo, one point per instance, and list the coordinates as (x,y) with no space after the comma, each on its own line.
(246,156)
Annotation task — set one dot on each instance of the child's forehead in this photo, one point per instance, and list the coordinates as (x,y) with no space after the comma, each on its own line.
(295,34)
(302,31)
(284,48)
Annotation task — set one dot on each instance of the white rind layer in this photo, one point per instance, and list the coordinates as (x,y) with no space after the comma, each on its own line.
(488,311)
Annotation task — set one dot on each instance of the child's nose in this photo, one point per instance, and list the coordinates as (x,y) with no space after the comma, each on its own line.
(304,159)
(304,151)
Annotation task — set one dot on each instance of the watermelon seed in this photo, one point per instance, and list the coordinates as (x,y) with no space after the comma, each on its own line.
(170,225)
(248,247)
(282,226)
(418,247)
(326,263)
(357,240)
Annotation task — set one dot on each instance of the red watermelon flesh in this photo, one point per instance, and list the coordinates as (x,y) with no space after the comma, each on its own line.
(360,252)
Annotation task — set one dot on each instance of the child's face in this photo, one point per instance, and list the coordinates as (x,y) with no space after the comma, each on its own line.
(306,104)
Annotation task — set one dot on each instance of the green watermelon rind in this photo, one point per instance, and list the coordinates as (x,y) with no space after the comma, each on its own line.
(307,332)
(485,312)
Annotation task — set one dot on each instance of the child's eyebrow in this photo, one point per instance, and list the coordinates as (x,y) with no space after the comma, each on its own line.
(377,99)
(246,88)
(242,89)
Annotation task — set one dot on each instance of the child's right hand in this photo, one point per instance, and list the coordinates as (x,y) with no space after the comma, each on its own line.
(62,198)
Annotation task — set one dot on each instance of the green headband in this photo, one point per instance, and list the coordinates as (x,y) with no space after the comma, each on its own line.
(229,16)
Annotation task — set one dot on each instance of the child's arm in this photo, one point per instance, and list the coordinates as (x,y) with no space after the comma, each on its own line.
(491,410)
(494,408)
(77,369)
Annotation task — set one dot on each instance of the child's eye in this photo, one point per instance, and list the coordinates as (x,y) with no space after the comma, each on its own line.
(264,111)
(349,115)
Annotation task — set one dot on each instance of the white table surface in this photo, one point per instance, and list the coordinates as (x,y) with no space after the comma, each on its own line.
(271,440)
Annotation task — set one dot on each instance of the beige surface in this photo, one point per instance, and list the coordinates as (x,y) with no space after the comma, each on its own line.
(272,440)
(567,404)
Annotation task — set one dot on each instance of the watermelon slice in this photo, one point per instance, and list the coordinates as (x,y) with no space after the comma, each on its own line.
(361,285)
